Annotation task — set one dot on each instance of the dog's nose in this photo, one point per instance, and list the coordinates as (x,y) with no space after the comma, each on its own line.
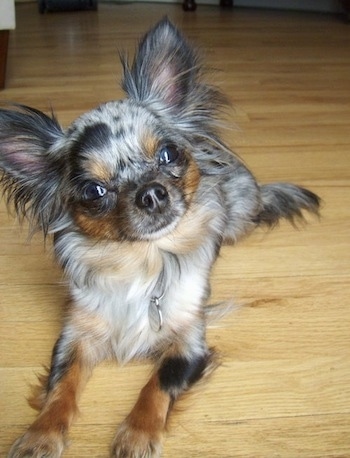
(153,198)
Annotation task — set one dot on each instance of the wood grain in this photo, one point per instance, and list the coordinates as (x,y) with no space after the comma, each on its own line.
(283,389)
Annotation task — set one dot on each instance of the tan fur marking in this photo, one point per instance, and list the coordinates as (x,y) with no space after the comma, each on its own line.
(103,228)
(141,432)
(150,146)
(38,396)
(123,259)
(151,409)
(97,329)
(191,180)
(60,407)
(100,171)
(189,233)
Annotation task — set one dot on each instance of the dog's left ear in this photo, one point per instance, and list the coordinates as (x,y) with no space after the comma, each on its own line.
(29,164)
(165,70)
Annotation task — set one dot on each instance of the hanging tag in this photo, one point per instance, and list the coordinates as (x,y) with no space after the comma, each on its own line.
(155,314)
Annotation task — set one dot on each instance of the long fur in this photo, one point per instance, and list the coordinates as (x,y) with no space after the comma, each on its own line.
(140,194)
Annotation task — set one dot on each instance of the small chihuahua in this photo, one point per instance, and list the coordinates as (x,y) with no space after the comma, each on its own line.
(139,195)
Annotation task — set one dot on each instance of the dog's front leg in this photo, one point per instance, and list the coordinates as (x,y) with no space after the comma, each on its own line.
(56,399)
(140,435)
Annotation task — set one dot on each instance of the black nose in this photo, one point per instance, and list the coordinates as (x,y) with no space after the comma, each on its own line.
(152,198)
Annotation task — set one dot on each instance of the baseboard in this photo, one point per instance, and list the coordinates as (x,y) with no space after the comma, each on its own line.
(326,6)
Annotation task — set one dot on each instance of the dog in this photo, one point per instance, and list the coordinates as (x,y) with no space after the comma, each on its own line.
(138,195)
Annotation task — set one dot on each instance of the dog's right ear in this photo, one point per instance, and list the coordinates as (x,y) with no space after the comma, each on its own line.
(30,169)
(166,75)
(164,70)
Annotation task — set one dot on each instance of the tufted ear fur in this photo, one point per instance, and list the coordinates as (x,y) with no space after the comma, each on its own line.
(164,67)
(167,76)
(30,170)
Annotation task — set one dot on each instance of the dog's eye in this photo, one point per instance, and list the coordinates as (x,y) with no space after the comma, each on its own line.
(93,191)
(168,154)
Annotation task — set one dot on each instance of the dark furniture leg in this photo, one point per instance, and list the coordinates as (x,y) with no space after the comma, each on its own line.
(226,3)
(189,5)
(346,8)
(4,40)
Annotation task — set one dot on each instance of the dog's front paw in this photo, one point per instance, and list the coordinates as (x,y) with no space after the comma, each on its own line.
(36,444)
(131,442)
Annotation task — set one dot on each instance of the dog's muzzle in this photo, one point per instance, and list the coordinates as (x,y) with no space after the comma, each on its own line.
(153,198)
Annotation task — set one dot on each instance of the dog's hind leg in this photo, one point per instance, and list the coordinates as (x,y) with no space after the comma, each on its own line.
(140,435)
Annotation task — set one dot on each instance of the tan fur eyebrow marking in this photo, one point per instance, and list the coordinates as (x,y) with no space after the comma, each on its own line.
(150,145)
(99,171)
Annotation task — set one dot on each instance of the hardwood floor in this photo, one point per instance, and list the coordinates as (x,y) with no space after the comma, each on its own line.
(284,387)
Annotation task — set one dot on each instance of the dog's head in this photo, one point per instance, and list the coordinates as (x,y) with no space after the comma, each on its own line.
(127,170)
(131,177)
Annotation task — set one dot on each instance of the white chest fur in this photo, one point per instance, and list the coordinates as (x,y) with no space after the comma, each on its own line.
(113,286)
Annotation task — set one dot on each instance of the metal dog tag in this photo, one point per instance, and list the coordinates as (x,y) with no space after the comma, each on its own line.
(155,314)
